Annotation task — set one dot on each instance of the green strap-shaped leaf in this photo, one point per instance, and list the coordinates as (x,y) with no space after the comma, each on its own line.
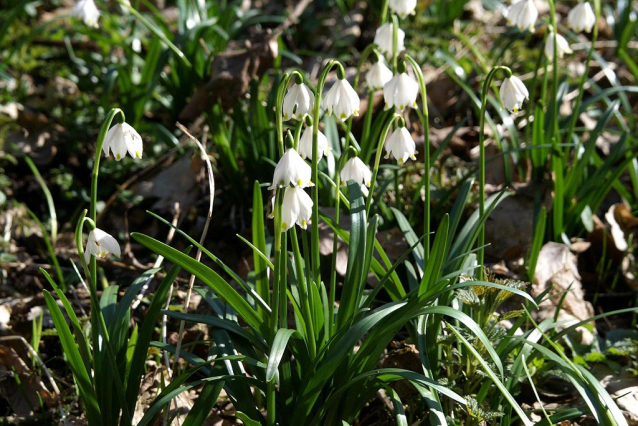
(87,393)
(138,360)
(207,276)
(277,351)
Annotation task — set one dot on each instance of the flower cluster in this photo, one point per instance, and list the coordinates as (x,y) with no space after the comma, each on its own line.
(120,139)
(523,15)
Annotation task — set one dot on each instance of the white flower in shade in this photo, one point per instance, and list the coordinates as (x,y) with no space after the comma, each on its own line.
(400,92)
(401,145)
(305,144)
(87,11)
(378,75)
(121,139)
(297,208)
(291,169)
(561,44)
(383,39)
(100,244)
(356,170)
(513,93)
(522,15)
(581,17)
(342,100)
(298,101)
(403,8)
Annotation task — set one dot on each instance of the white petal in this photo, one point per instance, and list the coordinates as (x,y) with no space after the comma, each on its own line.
(402,7)
(292,169)
(384,39)
(378,75)
(133,141)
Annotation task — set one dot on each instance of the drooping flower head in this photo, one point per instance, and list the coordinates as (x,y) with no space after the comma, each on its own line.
(402,8)
(291,169)
(581,17)
(120,139)
(297,208)
(87,11)
(378,75)
(100,244)
(356,170)
(305,144)
(561,44)
(400,145)
(383,39)
(342,100)
(400,92)
(513,93)
(522,15)
(298,101)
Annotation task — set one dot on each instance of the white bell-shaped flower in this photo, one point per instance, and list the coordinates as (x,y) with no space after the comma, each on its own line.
(305,144)
(298,101)
(100,244)
(383,39)
(356,170)
(561,44)
(513,93)
(291,169)
(297,208)
(400,145)
(87,11)
(342,100)
(400,92)
(581,17)
(402,8)
(378,75)
(522,15)
(120,139)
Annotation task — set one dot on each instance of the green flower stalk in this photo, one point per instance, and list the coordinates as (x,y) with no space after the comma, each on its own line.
(511,100)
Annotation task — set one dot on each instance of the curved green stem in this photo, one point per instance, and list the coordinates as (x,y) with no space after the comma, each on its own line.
(316,269)
(426,155)
(486,87)
(281,93)
(98,154)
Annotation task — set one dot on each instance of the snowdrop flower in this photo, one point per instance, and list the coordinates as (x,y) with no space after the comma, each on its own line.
(561,44)
(383,39)
(356,170)
(298,101)
(378,76)
(342,100)
(403,8)
(87,11)
(400,92)
(305,144)
(120,139)
(297,208)
(581,17)
(513,93)
(100,244)
(401,145)
(291,169)
(522,14)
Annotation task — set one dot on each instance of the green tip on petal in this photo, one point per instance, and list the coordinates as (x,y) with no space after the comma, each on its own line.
(300,182)
(138,154)
(284,226)
(118,156)
(285,116)
(343,115)
(303,224)
(401,107)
